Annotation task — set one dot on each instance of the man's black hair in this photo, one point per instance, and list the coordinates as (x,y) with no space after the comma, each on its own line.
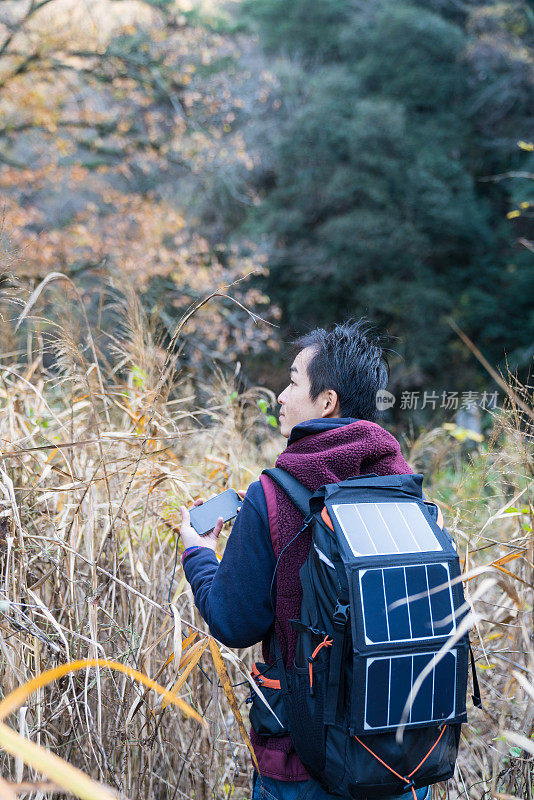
(348,358)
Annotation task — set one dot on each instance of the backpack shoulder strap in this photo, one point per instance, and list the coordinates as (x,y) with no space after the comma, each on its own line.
(294,489)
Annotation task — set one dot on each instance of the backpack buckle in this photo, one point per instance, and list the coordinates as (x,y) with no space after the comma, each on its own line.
(341,614)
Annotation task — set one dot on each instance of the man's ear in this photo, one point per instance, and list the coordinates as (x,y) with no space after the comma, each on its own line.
(331,404)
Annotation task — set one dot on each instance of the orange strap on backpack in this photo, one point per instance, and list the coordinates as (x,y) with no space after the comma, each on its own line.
(407,780)
(269,683)
(327,642)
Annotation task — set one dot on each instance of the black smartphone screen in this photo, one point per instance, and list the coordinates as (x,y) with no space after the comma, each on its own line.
(204,518)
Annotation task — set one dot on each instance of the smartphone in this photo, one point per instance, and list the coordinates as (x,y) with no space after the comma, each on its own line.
(204,518)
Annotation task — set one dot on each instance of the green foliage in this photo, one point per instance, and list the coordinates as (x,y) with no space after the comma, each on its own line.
(160,5)
(263,405)
(373,200)
(299,27)
(410,55)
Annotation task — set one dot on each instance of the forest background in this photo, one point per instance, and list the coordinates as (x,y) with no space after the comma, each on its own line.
(186,186)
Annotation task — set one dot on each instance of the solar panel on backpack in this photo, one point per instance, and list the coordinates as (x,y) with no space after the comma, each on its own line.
(399,606)
(403,594)
(388,683)
(385,528)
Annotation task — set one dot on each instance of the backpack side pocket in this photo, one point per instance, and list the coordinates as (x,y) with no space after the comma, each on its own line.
(267,718)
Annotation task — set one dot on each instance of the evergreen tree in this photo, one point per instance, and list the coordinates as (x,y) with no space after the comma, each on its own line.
(374,201)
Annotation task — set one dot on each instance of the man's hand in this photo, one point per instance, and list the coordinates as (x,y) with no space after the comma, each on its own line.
(191,538)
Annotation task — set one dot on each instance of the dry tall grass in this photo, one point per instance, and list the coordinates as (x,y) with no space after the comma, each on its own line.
(100,444)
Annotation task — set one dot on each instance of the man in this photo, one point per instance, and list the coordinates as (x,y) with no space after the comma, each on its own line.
(328,414)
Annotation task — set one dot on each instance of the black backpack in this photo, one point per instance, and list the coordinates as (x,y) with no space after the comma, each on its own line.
(382,594)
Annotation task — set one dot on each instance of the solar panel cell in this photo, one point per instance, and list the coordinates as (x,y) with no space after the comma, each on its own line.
(444,682)
(401,532)
(372,586)
(383,537)
(401,682)
(440,599)
(399,620)
(416,583)
(421,709)
(377,700)
(354,528)
(419,527)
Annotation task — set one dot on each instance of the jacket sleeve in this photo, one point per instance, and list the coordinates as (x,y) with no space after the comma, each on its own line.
(234,595)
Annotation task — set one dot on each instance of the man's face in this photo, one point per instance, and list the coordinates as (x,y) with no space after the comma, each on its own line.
(295,402)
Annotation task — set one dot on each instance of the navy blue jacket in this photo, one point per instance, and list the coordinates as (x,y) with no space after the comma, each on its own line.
(236,595)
